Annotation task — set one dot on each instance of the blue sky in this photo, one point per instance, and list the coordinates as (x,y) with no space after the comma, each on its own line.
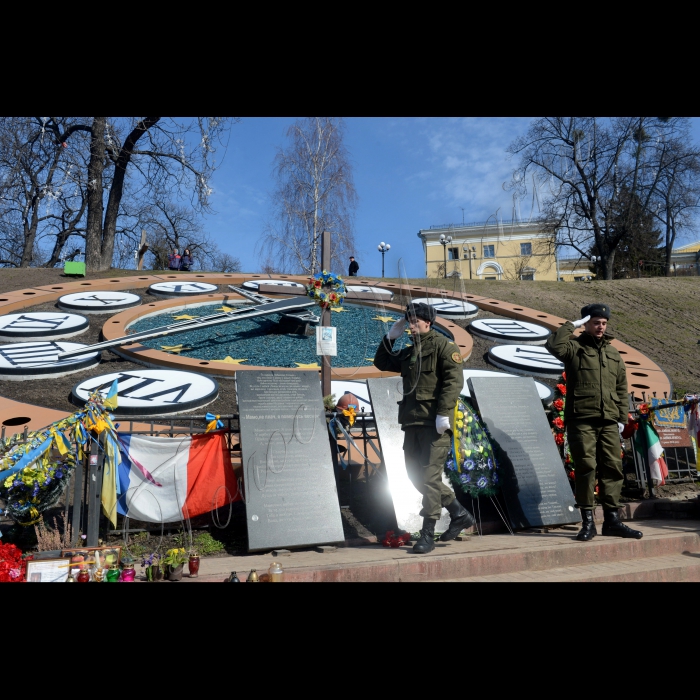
(410,173)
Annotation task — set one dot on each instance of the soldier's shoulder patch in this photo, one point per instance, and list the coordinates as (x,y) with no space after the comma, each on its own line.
(457,357)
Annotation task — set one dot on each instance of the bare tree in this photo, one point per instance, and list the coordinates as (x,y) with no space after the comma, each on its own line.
(580,165)
(223,262)
(314,192)
(673,195)
(168,156)
(42,188)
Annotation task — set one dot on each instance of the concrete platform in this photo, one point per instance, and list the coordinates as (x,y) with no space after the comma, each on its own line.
(669,551)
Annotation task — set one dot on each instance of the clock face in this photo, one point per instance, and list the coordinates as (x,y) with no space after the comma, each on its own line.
(41,326)
(526,359)
(508,331)
(99,302)
(39,360)
(450,308)
(151,391)
(181,289)
(254,285)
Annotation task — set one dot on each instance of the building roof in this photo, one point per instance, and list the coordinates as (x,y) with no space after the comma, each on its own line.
(689,248)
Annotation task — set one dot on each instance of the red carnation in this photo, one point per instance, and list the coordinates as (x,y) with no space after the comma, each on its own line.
(563,376)
(558,404)
(558,423)
(559,438)
(395,542)
(572,475)
(562,389)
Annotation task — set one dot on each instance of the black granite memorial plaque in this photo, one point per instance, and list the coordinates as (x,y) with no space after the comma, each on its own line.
(384,395)
(535,486)
(290,491)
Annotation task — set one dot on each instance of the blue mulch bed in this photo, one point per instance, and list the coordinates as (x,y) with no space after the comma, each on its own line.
(260,342)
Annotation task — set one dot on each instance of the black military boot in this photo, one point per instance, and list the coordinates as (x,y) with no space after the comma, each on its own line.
(426,541)
(614,527)
(460,518)
(587,531)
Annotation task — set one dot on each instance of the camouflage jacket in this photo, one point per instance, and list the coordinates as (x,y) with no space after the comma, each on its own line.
(432,379)
(596,379)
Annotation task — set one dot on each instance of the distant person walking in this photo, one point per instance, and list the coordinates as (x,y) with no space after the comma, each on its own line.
(174,260)
(354,267)
(186,261)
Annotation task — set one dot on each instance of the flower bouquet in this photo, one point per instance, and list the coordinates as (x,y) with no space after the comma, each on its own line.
(151,562)
(395,539)
(12,567)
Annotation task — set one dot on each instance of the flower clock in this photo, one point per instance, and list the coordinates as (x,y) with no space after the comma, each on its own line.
(471,464)
(326,289)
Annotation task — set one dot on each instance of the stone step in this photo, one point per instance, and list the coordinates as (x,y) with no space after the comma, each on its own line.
(491,555)
(674,567)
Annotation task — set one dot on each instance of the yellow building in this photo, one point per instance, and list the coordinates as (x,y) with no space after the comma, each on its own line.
(489,250)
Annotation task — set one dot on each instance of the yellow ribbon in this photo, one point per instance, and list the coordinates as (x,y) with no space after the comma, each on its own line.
(350,413)
(212,425)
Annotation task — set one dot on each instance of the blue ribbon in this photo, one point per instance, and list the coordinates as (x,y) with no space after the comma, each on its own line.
(210,417)
(27,459)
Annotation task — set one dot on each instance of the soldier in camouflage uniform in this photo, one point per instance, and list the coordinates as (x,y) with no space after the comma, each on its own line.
(595,415)
(431,369)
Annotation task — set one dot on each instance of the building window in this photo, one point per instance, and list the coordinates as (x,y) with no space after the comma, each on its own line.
(488,252)
(453,253)
(528,276)
(490,278)
(526,249)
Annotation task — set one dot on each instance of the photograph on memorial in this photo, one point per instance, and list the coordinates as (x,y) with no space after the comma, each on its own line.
(48,570)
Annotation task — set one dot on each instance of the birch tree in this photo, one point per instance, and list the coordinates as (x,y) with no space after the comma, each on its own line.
(314,191)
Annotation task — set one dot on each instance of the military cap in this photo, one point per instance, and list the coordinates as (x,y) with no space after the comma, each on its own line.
(423,311)
(596,311)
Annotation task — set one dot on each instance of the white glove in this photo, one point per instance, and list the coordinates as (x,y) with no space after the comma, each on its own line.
(621,427)
(397,329)
(442,423)
(581,321)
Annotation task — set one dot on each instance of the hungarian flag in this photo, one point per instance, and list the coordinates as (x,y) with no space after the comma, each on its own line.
(169,479)
(654,452)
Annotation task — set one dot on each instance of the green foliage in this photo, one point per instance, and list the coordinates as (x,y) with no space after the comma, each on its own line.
(205,544)
(140,545)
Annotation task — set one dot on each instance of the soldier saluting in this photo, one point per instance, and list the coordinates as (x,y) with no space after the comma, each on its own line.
(431,369)
(595,414)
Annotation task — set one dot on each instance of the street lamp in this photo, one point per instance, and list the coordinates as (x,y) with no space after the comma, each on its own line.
(445,241)
(471,254)
(382,248)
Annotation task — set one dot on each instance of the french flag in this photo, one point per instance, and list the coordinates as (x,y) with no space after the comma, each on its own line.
(164,480)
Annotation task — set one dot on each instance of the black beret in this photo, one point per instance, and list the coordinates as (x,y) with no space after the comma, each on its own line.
(596,311)
(424,311)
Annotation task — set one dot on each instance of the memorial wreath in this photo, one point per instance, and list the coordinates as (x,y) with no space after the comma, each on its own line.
(471,464)
(34,468)
(326,289)
(556,421)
